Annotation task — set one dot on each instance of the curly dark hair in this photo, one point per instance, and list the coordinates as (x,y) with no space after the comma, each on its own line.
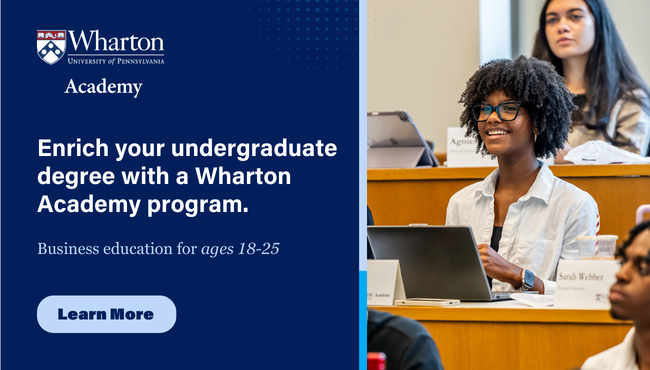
(636,230)
(537,86)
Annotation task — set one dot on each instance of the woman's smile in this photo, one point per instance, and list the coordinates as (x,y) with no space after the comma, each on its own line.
(496,132)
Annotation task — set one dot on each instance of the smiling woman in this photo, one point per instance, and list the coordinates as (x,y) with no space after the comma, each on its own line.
(524,219)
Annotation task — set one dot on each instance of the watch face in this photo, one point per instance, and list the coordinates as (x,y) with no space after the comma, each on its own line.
(529,278)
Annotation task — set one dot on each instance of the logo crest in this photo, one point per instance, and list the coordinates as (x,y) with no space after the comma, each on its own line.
(50,45)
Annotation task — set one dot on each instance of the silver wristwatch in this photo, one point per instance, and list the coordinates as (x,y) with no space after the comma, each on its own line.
(527,280)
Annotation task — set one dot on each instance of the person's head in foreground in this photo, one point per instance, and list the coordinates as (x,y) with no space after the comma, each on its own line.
(579,38)
(630,295)
(630,299)
(405,342)
(517,108)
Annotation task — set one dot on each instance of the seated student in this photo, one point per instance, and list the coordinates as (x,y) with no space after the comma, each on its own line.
(523,218)
(630,299)
(406,343)
(579,38)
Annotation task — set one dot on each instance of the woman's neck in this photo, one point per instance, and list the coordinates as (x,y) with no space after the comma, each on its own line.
(574,73)
(518,171)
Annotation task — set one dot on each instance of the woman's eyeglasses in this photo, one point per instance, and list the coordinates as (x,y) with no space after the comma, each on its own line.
(506,111)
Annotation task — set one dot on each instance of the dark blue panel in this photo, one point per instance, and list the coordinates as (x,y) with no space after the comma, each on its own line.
(231,71)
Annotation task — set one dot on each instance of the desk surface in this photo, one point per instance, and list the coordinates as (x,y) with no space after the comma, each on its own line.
(421,195)
(502,311)
(479,173)
(509,335)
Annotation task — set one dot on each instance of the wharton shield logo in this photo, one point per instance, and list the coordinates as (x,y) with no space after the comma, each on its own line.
(50,45)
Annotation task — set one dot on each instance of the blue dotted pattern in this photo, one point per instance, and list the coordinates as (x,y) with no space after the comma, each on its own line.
(300,39)
(382,14)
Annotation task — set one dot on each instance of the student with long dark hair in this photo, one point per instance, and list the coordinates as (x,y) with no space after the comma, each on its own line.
(579,38)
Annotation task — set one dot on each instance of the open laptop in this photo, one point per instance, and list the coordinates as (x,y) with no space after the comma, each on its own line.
(436,261)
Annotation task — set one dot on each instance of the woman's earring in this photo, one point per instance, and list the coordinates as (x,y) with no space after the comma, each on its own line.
(535,137)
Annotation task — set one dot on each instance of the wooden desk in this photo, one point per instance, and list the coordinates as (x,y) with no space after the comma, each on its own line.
(508,335)
(421,195)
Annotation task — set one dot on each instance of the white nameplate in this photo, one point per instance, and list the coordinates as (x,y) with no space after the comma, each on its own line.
(461,151)
(385,283)
(585,284)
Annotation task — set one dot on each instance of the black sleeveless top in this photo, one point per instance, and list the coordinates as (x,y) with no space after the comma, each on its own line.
(581,102)
(494,243)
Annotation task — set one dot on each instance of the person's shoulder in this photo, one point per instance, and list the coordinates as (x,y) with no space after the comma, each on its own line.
(567,187)
(403,326)
(637,93)
(570,200)
(470,191)
(570,192)
(621,356)
(606,359)
(635,97)
(406,343)
(378,317)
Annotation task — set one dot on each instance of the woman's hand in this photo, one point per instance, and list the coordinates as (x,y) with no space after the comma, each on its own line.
(498,267)
(501,269)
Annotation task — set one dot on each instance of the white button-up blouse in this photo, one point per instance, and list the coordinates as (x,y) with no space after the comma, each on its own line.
(539,229)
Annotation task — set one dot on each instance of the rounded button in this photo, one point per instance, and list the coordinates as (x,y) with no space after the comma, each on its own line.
(106,314)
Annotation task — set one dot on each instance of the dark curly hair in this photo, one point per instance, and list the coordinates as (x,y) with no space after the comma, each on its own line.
(636,230)
(539,89)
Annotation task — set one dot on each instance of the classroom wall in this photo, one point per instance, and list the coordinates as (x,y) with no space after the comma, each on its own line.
(421,53)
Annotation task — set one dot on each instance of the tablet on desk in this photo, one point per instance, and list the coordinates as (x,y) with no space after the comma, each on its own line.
(395,142)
